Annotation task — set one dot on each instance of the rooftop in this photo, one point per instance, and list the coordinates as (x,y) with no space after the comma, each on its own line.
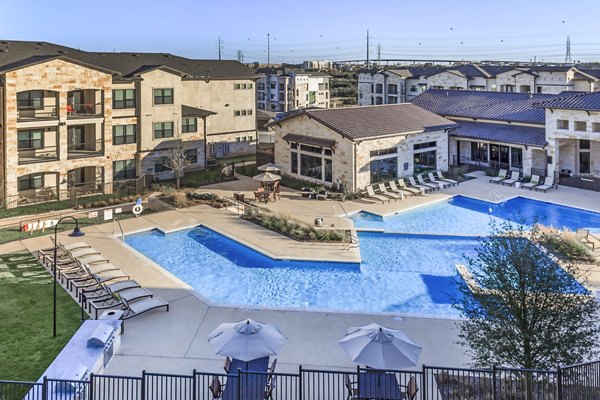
(504,133)
(577,101)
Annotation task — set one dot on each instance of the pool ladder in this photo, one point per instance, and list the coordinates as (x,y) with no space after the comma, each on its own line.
(352,241)
(496,196)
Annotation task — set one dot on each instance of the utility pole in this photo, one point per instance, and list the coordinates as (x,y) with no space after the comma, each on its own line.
(378,54)
(568,58)
(219,47)
(268,49)
(240,56)
(367,48)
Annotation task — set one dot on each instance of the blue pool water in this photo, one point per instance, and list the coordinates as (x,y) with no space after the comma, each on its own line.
(393,276)
(467,216)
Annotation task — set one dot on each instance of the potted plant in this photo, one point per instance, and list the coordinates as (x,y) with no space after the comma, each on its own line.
(306,192)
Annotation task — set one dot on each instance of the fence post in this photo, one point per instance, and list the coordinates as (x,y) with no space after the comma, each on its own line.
(357,379)
(91,388)
(559,395)
(45,388)
(143,386)
(300,382)
(194,388)
(239,383)
(424,382)
(494,381)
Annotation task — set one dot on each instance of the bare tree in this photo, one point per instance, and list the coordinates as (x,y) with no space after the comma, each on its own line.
(176,158)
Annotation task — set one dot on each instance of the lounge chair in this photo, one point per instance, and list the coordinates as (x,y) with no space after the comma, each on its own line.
(439,182)
(584,236)
(515,177)
(115,300)
(140,307)
(413,190)
(383,191)
(410,389)
(95,279)
(535,181)
(403,192)
(414,184)
(502,175)
(100,290)
(441,178)
(422,182)
(371,194)
(70,256)
(548,184)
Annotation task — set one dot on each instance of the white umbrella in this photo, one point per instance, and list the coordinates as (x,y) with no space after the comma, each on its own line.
(247,340)
(270,167)
(380,347)
(267,177)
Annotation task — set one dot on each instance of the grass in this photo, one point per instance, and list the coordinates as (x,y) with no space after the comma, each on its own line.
(26,343)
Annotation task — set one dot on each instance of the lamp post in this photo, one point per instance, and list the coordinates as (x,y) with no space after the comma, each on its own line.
(76,233)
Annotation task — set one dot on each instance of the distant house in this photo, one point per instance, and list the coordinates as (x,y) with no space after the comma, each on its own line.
(351,148)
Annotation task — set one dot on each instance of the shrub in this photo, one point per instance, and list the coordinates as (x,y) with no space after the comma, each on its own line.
(180,200)
(567,247)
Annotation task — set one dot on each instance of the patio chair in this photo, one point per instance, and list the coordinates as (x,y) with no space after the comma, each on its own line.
(353,393)
(77,265)
(216,388)
(82,272)
(227,365)
(371,194)
(70,256)
(414,184)
(94,279)
(411,389)
(413,190)
(270,386)
(548,184)
(383,191)
(422,182)
(535,181)
(114,300)
(515,177)
(99,290)
(502,174)
(441,177)
(584,236)
(403,192)
(142,306)
(277,189)
(432,179)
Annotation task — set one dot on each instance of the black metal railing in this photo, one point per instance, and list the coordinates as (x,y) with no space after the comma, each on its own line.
(576,382)
(31,113)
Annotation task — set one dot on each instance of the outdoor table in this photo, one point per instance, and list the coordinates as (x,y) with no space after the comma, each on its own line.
(378,385)
(253,386)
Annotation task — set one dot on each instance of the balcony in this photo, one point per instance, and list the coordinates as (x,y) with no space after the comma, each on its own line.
(37,145)
(85,180)
(84,141)
(86,103)
(37,105)
(37,155)
(36,188)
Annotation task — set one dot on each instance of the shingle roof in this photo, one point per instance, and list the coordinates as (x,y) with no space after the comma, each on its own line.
(124,65)
(504,133)
(356,123)
(189,111)
(576,101)
(494,70)
(501,106)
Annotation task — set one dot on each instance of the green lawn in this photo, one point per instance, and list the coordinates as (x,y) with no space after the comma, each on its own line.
(27,347)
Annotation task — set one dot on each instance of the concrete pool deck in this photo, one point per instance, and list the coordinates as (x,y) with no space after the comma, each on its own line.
(175,342)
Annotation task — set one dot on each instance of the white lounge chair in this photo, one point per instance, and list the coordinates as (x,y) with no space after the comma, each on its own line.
(114,300)
(140,307)
(453,182)
(421,181)
(515,177)
(502,175)
(413,190)
(383,191)
(396,189)
(535,181)
(412,182)
(548,184)
(439,182)
(371,194)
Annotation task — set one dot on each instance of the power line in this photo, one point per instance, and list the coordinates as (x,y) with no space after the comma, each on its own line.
(568,58)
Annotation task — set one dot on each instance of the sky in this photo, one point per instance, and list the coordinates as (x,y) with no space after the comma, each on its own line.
(310,30)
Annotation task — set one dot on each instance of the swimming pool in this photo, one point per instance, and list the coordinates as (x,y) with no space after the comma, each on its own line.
(462,215)
(391,278)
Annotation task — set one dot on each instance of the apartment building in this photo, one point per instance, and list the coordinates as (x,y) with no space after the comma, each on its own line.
(72,120)
(318,65)
(282,89)
(381,87)
(416,80)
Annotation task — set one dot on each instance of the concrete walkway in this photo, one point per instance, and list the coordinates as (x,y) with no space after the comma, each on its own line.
(175,342)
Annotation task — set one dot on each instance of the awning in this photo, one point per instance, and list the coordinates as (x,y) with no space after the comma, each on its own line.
(314,141)
(189,111)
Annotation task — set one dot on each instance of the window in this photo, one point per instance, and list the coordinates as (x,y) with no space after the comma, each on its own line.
(382,152)
(311,162)
(123,169)
(31,181)
(189,125)
(425,161)
(581,126)
(516,157)
(427,145)
(311,166)
(161,164)
(562,124)
(33,139)
(261,86)
(595,127)
(499,156)
(242,113)
(540,89)
(124,98)
(163,96)
(479,151)
(294,162)
(191,155)
(163,130)
(31,99)
(383,169)
(584,162)
(124,134)
(584,144)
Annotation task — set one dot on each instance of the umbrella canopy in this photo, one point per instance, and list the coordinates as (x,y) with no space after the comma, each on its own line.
(380,347)
(270,167)
(247,340)
(267,177)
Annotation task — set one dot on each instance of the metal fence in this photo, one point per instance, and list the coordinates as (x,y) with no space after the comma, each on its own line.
(577,382)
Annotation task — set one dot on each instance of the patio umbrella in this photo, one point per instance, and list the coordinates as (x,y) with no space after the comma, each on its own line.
(380,347)
(247,340)
(267,177)
(270,167)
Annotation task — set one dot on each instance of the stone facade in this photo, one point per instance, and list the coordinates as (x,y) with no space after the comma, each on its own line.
(384,87)
(448,80)
(281,92)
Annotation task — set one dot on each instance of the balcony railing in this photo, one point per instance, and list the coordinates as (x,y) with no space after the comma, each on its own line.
(84,110)
(32,156)
(45,113)
(87,149)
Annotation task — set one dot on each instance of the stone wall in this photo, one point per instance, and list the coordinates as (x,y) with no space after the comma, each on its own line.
(447,80)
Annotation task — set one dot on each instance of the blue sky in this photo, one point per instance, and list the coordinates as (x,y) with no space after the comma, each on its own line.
(309,29)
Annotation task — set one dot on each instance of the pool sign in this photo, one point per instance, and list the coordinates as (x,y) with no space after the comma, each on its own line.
(108,214)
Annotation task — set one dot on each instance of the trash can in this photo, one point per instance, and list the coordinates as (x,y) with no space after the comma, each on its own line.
(239,196)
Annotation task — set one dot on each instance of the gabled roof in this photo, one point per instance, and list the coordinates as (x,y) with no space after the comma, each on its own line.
(189,111)
(504,133)
(494,70)
(357,123)
(501,106)
(576,101)
(451,71)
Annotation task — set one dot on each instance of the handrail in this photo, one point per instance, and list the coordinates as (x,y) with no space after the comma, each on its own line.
(121,229)
(341,206)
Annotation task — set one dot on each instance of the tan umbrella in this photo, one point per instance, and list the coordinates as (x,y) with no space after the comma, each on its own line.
(267,177)
(270,167)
